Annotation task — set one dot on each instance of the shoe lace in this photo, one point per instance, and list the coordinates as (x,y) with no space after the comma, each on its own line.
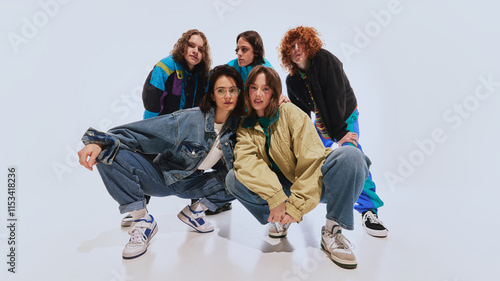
(137,233)
(276,226)
(197,214)
(373,218)
(340,241)
(279,227)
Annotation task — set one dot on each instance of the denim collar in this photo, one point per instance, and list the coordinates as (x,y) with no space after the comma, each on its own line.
(230,124)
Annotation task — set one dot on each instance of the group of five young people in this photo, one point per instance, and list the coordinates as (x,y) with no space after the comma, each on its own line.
(274,162)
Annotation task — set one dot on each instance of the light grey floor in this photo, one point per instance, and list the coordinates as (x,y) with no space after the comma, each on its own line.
(426,76)
(433,236)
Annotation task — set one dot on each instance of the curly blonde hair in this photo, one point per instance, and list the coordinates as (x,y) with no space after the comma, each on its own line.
(308,35)
(181,45)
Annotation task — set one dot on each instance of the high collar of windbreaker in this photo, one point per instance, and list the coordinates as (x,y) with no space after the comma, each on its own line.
(264,122)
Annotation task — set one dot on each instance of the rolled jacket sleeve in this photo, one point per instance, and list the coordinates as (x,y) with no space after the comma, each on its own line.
(252,169)
(309,153)
(150,136)
(108,143)
(297,151)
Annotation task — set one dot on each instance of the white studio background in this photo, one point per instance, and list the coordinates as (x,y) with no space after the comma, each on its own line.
(426,74)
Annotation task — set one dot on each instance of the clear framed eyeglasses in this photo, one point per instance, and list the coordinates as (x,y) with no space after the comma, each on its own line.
(233,91)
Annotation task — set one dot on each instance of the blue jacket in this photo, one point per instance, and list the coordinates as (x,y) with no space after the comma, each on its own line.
(182,140)
(244,71)
(169,87)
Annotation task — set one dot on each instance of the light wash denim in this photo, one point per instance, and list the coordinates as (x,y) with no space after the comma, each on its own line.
(131,176)
(369,199)
(182,141)
(344,173)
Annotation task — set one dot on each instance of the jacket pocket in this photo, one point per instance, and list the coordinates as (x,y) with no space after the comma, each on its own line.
(187,157)
(192,150)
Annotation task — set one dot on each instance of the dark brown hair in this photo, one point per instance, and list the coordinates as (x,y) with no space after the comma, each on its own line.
(308,35)
(181,45)
(223,70)
(256,42)
(273,81)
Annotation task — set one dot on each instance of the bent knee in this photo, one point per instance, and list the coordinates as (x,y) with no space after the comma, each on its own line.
(351,155)
(230,181)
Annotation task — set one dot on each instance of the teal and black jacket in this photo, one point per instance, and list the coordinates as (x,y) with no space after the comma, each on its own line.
(170,87)
(245,70)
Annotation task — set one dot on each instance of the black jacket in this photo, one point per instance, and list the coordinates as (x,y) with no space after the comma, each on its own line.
(330,89)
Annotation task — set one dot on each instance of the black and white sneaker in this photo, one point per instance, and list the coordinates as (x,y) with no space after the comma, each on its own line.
(223,208)
(373,225)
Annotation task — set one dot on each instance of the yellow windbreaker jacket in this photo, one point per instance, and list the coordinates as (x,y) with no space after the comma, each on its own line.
(297,151)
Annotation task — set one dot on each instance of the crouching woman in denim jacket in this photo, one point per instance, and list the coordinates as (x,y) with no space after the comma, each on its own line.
(195,148)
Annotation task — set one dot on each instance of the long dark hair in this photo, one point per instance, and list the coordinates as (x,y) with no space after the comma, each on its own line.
(257,44)
(223,70)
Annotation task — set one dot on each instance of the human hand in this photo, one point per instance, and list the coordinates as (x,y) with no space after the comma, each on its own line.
(288,219)
(278,213)
(283,99)
(88,154)
(350,138)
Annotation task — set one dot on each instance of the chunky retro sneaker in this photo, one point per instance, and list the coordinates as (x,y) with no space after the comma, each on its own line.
(140,234)
(195,219)
(276,230)
(338,248)
(373,225)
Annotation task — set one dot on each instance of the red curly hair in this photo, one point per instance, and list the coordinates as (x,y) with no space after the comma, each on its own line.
(308,35)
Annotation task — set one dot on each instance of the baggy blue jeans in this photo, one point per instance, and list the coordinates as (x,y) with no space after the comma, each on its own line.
(368,199)
(131,176)
(344,173)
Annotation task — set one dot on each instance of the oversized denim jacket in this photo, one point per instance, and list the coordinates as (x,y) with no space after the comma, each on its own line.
(182,139)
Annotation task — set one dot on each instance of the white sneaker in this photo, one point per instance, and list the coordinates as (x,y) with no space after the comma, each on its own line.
(195,219)
(338,248)
(276,230)
(140,234)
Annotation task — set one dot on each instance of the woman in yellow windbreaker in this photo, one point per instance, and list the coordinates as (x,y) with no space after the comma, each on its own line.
(282,170)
